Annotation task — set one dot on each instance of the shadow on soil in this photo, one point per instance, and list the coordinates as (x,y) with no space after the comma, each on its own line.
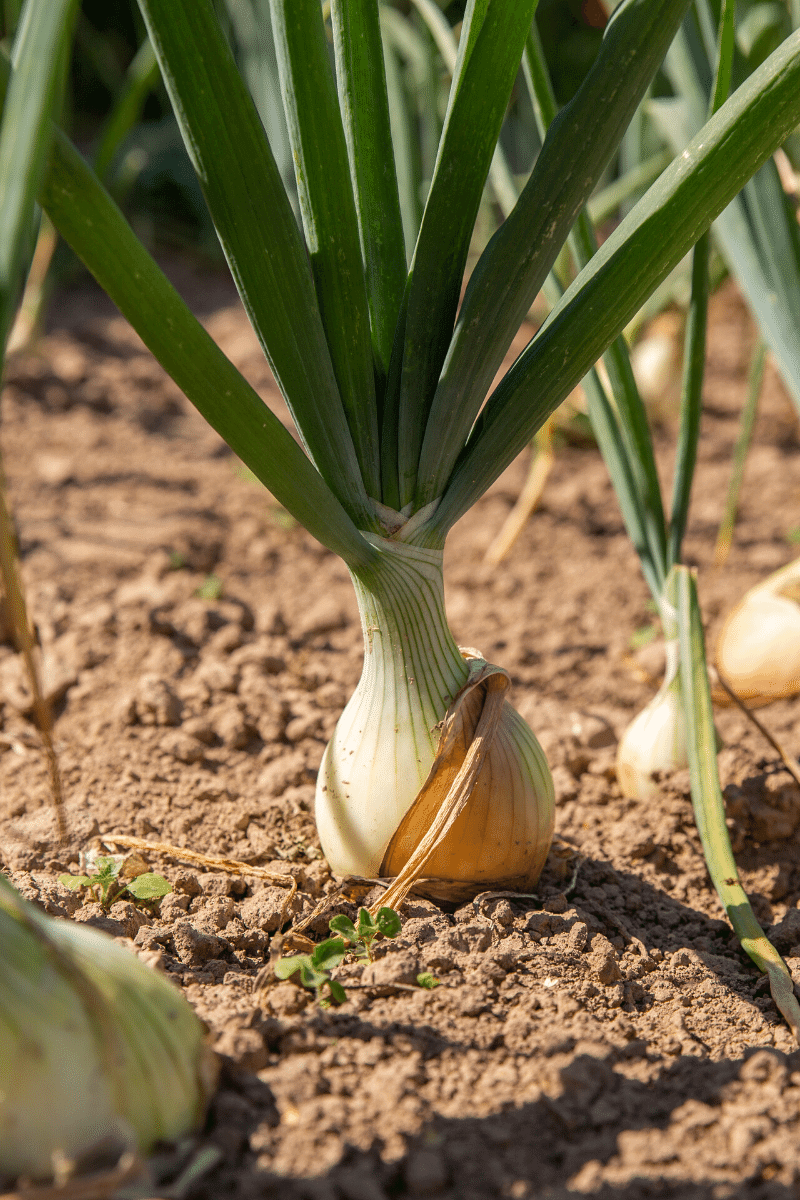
(604,1134)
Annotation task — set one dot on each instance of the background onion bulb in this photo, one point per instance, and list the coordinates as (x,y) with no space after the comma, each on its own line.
(385,742)
(758,650)
(93,1045)
(654,741)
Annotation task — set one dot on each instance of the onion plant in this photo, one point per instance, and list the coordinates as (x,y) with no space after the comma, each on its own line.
(676,728)
(429,772)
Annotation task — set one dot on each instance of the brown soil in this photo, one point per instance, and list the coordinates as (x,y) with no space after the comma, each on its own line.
(607,1038)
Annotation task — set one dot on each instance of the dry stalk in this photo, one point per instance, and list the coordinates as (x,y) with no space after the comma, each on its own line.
(528,499)
(101,1186)
(788,761)
(18,614)
(231,866)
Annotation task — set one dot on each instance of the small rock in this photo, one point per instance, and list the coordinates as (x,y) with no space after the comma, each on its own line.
(183,747)
(186,881)
(322,616)
(132,918)
(215,884)
(591,730)
(199,728)
(266,910)
(604,960)
(400,966)
(193,946)
(245,1046)
(153,702)
(232,728)
(287,771)
(173,906)
(215,914)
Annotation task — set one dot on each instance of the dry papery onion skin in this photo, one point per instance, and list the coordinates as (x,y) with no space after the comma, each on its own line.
(501,836)
(758,649)
(95,1046)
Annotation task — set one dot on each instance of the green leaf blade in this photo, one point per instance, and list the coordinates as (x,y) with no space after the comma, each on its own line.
(479,98)
(329,218)
(343,925)
(518,259)
(88,219)
(284,968)
(149,886)
(707,801)
(328,954)
(364,103)
(258,232)
(39,48)
(388,922)
(636,257)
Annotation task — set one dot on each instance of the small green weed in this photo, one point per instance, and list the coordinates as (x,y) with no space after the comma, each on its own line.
(315,968)
(360,937)
(110,877)
(428,981)
(211,588)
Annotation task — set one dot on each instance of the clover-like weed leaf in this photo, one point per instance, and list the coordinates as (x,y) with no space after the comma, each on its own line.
(388,922)
(338,994)
(284,968)
(329,954)
(342,924)
(73,882)
(149,886)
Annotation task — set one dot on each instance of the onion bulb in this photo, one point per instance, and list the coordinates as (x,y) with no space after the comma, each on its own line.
(406,734)
(655,741)
(95,1047)
(758,650)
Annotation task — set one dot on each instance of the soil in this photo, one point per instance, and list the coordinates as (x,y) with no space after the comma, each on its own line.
(607,1037)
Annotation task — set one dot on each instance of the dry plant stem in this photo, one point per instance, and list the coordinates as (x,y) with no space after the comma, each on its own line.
(496,684)
(725,535)
(93,1187)
(18,613)
(28,324)
(790,763)
(230,865)
(528,499)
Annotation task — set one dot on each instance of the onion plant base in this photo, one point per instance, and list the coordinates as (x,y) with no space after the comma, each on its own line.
(429,765)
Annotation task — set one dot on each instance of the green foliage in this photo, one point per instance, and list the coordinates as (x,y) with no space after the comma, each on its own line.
(315,970)
(361,936)
(111,879)
(211,588)
(356,939)
(428,981)
(643,636)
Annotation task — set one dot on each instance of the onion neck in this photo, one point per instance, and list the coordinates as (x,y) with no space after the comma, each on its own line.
(408,646)
(385,741)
